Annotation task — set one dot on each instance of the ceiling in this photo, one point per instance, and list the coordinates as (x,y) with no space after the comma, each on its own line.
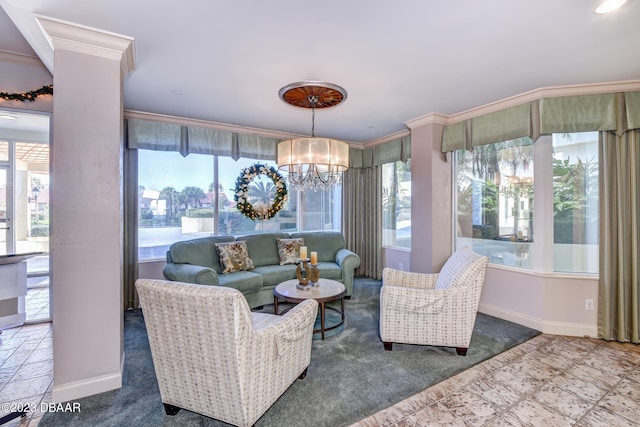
(397,60)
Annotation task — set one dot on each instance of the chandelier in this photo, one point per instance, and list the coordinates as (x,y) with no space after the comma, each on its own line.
(313,163)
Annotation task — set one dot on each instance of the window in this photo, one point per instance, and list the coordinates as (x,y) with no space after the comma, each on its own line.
(575,202)
(495,202)
(182,198)
(396,204)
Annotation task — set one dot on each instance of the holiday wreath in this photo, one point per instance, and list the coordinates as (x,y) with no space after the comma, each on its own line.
(260,211)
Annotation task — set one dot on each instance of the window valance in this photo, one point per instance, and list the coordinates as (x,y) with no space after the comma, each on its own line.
(160,136)
(392,151)
(617,112)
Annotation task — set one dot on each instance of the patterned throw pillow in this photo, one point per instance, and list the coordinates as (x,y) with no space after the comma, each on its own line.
(289,250)
(234,256)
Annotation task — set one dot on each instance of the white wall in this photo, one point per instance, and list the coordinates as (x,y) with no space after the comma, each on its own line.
(400,259)
(431,217)
(553,304)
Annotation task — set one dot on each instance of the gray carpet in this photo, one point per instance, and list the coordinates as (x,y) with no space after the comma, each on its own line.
(350,376)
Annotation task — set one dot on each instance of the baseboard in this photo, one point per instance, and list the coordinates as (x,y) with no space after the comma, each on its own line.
(544,326)
(77,389)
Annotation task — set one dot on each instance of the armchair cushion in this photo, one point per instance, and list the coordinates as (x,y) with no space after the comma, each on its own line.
(234,256)
(460,269)
(415,300)
(408,279)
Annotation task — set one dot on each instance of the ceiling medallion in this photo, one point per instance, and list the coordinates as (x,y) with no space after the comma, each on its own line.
(313,163)
(312,94)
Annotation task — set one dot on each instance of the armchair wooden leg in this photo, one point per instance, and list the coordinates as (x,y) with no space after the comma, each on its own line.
(170,409)
(388,345)
(462,351)
(303,374)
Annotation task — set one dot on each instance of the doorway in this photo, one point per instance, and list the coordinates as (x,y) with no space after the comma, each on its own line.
(24,203)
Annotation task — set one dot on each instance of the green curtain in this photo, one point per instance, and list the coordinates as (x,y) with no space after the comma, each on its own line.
(130,179)
(563,114)
(619,288)
(455,137)
(160,136)
(362,217)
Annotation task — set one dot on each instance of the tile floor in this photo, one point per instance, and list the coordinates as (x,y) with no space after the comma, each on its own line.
(37,304)
(26,369)
(547,381)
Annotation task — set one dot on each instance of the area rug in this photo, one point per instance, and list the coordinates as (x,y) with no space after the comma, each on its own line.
(350,376)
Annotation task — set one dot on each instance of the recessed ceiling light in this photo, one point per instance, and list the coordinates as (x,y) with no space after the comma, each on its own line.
(177,92)
(7,116)
(607,6)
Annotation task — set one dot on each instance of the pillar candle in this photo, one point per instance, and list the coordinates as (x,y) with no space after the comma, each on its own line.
(314,258)
(303,252)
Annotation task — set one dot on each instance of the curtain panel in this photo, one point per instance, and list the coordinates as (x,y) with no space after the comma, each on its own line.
(362,201)
(130,225)
(616,112)
(619,285)
(362,217)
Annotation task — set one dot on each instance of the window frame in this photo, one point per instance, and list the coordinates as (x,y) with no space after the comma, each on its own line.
(542,247)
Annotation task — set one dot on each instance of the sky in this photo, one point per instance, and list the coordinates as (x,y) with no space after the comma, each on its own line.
(160,169)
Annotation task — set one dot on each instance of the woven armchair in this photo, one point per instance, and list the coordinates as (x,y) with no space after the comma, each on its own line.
(213,356)
(433,309)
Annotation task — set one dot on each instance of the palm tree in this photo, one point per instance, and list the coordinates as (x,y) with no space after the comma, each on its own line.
(262,191)
(192,196)
(170,195)
(489,164)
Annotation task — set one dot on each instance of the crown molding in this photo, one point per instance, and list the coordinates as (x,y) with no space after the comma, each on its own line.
(385,139)
(534,95)
(89,41)
(21,59)
(429,119)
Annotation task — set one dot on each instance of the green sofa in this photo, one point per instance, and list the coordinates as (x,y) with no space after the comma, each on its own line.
(197,261)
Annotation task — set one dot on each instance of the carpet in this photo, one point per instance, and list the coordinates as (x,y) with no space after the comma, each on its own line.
(350,376)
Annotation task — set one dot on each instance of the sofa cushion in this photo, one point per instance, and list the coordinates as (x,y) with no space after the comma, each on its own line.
(200,251)
(326,243)
(330,270)
(263,248)
(234,256)
(275,274)
(244,281)
(289,250)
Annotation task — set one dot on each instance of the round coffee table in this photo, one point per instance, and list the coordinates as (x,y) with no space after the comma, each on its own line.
(327,290)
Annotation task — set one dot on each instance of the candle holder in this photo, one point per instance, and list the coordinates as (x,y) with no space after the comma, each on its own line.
(314,275)
(303,273)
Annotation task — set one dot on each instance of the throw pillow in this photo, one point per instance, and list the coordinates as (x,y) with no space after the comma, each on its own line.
(234,256)
(289,250)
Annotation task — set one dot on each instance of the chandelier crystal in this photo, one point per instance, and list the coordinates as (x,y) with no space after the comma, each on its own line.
(313,163)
